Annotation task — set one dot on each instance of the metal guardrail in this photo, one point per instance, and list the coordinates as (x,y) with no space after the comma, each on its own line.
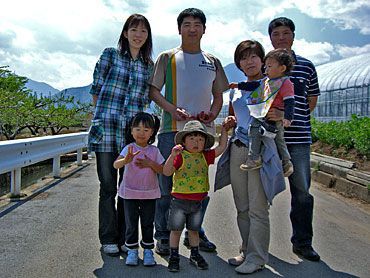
(16,154)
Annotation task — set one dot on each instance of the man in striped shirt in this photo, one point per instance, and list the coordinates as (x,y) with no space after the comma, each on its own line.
(298,138)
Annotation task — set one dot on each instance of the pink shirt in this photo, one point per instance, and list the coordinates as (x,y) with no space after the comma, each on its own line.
(140,183)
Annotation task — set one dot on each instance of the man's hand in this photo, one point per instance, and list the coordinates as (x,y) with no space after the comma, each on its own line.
(286,123)
(275,115)
(180,114)
(206,117)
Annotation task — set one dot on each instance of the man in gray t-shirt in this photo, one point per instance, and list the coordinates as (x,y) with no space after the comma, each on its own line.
(194,82)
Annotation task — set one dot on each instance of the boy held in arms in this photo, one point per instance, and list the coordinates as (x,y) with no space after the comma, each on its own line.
(188,163)
(278,63)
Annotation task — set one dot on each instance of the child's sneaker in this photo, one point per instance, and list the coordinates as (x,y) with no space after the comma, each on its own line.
(132,257)
(174,264)
(287,168)
(148,258)
(198,261)
(251,165)
(162,247)
(110,249)
(124,249)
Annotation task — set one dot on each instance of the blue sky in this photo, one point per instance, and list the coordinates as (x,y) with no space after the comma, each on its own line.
(59,42)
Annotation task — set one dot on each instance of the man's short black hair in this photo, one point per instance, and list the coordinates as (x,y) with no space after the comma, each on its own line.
(281,21)
(194,12)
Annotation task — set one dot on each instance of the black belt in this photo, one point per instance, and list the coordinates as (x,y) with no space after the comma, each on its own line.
(239,143)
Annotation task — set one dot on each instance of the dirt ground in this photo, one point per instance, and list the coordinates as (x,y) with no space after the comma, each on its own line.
(362,162)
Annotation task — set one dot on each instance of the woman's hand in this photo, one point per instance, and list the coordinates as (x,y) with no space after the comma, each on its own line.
(233,85)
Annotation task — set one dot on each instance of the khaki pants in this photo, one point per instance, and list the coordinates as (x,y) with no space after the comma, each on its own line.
(252,208)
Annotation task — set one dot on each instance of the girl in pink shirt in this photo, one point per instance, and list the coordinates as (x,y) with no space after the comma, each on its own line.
(139,187)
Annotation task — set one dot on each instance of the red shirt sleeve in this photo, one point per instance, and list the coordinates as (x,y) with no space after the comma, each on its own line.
(177,162)
(287,89)
(210,156)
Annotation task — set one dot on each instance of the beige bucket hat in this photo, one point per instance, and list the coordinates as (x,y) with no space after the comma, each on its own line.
(195,126)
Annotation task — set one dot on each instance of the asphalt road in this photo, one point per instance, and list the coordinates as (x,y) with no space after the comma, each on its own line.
(55,235)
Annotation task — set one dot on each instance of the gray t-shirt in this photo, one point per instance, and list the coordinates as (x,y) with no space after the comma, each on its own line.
(190,81)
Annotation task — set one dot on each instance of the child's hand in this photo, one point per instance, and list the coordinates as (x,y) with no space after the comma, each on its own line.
(143,162)
(130,156)
(274,115)
(176,150)
(229,122)
(233,85)
(286,123)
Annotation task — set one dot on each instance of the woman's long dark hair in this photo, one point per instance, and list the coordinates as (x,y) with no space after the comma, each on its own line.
(146,50)
(148,120)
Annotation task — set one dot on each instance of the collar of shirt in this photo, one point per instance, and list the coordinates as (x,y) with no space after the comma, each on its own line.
(128,55)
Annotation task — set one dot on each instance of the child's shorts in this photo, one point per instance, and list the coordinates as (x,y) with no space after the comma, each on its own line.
(185,212)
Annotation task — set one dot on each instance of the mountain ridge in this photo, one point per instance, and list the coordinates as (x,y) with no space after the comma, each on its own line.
(82,93)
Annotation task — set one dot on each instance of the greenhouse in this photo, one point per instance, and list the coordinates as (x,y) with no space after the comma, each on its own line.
(344,86)
(345,89)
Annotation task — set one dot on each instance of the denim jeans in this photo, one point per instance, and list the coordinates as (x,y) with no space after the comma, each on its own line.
(185,213)
(111,219)
(301,212)
(166,141)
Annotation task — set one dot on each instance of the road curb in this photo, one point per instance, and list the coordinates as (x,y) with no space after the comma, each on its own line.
(341,175)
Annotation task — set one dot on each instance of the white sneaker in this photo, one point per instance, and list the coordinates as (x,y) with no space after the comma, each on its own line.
(248,268)
(110,249)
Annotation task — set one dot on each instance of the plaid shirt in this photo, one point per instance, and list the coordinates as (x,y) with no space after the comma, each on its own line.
(122,89)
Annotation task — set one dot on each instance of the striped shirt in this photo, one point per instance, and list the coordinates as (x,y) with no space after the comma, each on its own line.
(304,78)
(122,89)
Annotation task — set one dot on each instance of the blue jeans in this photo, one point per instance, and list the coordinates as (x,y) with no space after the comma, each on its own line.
(185,212)
(111,219)
(302,201)
(166,141)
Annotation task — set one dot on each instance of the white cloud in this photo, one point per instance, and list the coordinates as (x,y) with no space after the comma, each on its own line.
(317,52)
(345,14)
(347,51)
(59,42)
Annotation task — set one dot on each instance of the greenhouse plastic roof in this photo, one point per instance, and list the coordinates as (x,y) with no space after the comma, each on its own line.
(345,73)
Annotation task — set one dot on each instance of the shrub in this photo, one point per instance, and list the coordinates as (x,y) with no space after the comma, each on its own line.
(354,133)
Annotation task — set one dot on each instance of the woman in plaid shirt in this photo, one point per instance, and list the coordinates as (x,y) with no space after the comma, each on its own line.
(119,91)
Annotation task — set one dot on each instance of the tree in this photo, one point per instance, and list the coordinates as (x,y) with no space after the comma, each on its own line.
(13,99)
(21,109)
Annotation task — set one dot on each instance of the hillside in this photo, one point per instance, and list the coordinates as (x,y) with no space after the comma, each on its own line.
(41,88)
